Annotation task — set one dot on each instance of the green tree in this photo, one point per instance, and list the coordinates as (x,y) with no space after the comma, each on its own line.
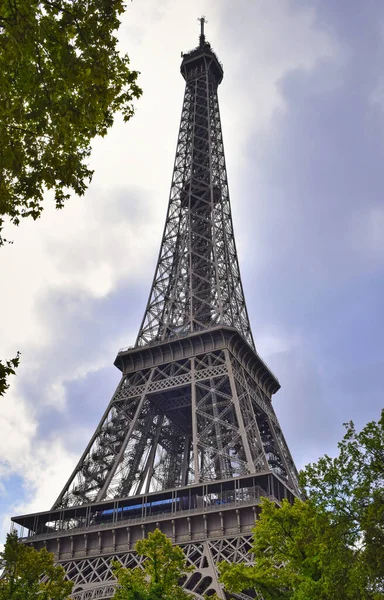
(298,555)
(7,368)
(330,546)
(28,574)
(350,487)
(163,567)
(62,80)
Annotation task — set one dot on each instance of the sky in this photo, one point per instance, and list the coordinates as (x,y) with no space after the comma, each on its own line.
(302,109)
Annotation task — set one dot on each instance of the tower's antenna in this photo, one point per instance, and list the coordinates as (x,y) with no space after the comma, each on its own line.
(202,35)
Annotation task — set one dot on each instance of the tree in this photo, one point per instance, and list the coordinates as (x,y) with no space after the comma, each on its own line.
(62,80)
(298,555)
(350,487)
(28,574)
(331,545)
(7,368)
(163,567)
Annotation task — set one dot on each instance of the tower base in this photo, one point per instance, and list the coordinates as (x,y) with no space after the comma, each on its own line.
(212,522)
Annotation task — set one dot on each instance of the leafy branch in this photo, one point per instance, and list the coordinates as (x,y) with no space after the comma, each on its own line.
(62,81)
(7,368)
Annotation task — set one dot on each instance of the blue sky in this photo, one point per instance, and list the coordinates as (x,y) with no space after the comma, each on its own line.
(302,107)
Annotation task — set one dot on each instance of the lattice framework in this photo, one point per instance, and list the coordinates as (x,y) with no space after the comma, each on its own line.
(197,281)
(95,574)
(178,423)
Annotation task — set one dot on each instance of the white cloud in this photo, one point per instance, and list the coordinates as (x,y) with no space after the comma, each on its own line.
(44,467)
(262,42)
(274,342)
(18,427)
(274,41)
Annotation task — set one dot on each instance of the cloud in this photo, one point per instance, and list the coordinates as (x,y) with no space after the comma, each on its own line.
(316,270)
(68,323)
(300,122)
(308,416)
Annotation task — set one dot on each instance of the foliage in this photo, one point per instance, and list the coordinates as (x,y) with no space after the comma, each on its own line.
(298,555)
(22,570)
(7,368)
(330,546)
(62,80)
(351,488)
(163,567)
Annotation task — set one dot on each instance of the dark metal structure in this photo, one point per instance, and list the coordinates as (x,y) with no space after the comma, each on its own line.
(190,441)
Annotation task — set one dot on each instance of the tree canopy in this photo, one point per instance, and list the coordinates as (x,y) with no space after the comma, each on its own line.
(28,574)
(62,80)
(7,368)
(163,567)
(331,545)
(350,487)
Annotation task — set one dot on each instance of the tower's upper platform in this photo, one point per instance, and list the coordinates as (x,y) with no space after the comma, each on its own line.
(201,58)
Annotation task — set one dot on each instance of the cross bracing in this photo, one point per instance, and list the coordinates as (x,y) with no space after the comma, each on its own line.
(93,577)
(178,423)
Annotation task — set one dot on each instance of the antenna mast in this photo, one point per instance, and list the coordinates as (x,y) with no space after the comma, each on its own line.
(202,35)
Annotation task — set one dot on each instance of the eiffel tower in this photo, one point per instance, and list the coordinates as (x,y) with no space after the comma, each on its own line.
(190,441)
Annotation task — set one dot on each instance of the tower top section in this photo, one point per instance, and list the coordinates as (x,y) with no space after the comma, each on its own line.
(201,59)
(197,284)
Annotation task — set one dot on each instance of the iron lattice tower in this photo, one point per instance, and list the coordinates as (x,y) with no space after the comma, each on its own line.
(190,441)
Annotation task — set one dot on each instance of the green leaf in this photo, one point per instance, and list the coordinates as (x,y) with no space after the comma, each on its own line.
(6,369)
(62,80)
